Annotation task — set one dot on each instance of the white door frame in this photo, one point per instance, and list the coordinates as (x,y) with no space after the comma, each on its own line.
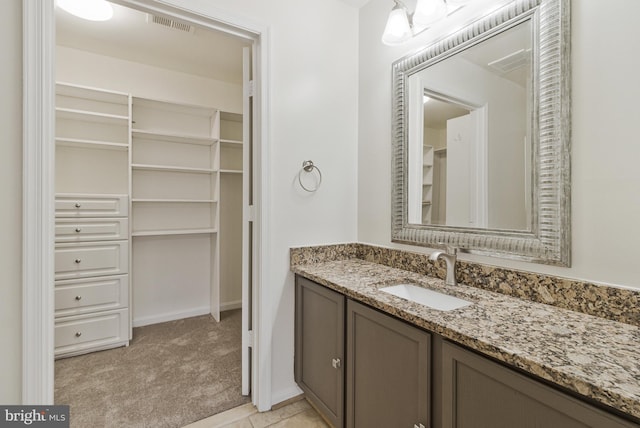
(38,189)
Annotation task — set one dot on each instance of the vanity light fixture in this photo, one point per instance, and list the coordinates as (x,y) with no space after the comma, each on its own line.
(91,10)
(402,25)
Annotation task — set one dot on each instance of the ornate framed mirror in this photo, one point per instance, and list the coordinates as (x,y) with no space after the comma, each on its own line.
(481,137)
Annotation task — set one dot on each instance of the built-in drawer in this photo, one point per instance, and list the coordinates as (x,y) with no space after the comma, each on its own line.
(81,260)
(76,205)
(78,334)
(80,296)
(91,229)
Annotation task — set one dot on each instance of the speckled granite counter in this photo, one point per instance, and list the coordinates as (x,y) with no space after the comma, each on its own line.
(595,357)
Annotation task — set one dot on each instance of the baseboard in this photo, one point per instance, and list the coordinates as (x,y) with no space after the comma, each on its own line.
(230,305)
(278,397)
(171,316)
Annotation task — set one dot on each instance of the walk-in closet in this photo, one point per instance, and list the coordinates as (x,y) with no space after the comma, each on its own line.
(149,200)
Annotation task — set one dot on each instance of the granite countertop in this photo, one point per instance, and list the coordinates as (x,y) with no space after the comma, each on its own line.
(595,357)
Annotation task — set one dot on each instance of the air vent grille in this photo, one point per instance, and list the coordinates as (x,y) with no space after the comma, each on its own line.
(170,23)
(512,61)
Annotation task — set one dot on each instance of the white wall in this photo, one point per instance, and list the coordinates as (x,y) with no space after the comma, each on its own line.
(11,202)
(100,71)
(605,176)
(313,92)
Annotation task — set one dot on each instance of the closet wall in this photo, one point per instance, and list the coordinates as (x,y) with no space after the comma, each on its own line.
(173,276)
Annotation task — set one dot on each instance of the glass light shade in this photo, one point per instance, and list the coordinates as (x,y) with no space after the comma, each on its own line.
(397,29)
(92,10)
(428,12)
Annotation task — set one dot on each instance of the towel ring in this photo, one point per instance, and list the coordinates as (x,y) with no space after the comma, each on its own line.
(308,166)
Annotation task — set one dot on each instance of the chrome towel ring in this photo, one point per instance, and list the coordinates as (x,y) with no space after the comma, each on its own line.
(309,167)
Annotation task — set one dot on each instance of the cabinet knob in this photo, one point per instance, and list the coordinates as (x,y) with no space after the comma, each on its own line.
(78,230)
(78,261)
(78,298)
(418,426)
(78,334)
(336,363)
(78,205)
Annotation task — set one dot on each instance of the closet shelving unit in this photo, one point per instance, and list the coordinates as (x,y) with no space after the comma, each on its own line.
(230,143)
(427,183)
(174,165)
(91,289)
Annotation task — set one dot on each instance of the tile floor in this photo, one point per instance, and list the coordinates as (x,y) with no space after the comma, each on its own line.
(294,415)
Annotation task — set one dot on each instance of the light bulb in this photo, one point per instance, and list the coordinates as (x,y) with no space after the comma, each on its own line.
(397,29)
(92,10)
(428,12)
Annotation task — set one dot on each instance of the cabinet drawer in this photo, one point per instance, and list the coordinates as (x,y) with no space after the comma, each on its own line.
(95,229)
(91,259)
(79,296)
(72,205)
(83,332)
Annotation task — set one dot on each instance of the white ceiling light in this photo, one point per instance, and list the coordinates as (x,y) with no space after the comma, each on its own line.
(429,12)
(92,10)
(402,25)
(398,29)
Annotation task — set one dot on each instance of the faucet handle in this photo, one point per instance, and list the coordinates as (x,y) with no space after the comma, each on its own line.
(451,250)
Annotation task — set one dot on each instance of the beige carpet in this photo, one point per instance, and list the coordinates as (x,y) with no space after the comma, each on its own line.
(172,374)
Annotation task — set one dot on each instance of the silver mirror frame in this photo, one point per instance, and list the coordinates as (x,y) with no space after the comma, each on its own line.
(549,240)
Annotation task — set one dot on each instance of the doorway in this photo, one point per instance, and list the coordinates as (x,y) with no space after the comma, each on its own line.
(38,312)
(148,112)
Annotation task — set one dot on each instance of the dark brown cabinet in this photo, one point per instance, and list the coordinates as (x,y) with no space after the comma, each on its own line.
(388,373)
(319,352)
(364,369)
(480,393)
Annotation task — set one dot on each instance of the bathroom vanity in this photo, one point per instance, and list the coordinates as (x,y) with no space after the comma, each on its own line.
(367,358)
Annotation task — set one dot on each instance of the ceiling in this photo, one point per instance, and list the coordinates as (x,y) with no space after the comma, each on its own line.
(132,36)
(356,3)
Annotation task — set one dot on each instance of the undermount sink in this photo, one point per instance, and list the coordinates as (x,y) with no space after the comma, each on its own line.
(424,296)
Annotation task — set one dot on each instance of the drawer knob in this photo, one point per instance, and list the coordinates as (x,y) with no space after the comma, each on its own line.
(78,230)
(78,334)
(78,261)
(336,363)
(78,298)
(78,205)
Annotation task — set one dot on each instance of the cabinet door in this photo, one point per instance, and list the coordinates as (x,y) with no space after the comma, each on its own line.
(388,371)
(320,348)
(480,393)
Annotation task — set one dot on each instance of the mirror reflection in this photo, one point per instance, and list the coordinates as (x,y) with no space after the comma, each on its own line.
(470,136)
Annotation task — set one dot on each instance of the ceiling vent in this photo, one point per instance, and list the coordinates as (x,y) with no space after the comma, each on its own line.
(512,61)
(170,23)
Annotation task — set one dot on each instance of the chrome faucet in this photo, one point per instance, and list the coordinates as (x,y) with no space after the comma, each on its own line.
(449,256)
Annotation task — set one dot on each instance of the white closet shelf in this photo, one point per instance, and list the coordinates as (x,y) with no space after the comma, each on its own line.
(167,168)
(232,143)
(192,109)
(179,201)
(231,171)
(172,137)
(173,232)
(80,143)
(93,94)
(91,116)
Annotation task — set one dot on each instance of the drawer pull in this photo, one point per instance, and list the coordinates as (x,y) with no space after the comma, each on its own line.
(78,298)
(78,334)
(78,205)
(78,261)
(78,230)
